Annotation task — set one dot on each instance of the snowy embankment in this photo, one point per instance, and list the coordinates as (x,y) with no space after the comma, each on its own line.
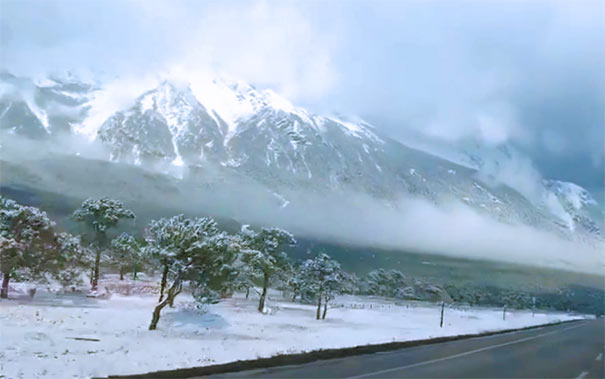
(73,336)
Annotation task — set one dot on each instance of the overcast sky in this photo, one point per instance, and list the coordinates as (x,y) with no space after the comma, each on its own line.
(526,73)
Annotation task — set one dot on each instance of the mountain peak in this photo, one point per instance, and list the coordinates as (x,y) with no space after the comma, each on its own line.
(167,97)
(575,195)
(234,128)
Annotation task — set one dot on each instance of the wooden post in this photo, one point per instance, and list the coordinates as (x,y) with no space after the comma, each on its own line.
(442,306)
(4,290)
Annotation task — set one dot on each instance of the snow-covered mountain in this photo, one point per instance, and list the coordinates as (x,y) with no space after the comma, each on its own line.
(233,127)
(578,209)
(39,108)
(572,206)
(256,132)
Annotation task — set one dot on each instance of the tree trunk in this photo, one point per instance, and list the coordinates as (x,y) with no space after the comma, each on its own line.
(318,306)
(101,240)
(134,274)
(95,270)
(163,283)
(174,290)
(92,274)
(5,279)
(156,314)
(247,292)
(323,316)
(121,273)
(261,303)
(294,297)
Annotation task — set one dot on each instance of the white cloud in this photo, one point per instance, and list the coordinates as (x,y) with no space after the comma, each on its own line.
(417,225)
(117,94)
(526,73)
(270,44)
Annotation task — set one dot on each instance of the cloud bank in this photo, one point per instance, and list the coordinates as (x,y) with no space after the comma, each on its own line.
(410,224)
(529,74)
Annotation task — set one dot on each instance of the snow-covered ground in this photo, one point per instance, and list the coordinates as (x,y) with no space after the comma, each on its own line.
(37,337)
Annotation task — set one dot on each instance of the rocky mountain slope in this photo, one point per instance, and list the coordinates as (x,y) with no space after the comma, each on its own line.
(38,109)
(235,129)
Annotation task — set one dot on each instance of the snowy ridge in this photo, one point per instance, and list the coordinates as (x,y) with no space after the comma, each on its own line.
(21,93)
(572,193)
(221,119)
(228,125)
(236,102)
(358,128)
(574,206)
(176,107)
(38,108)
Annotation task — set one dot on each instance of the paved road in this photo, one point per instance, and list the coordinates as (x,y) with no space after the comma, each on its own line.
(572,350)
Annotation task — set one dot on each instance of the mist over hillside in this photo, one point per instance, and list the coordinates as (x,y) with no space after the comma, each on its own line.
(223,147)
(228,149)
(408,223)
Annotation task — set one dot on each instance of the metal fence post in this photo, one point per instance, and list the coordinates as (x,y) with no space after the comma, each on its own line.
(442,306)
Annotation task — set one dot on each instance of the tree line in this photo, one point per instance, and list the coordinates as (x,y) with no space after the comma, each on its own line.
(195,251)
(214,263)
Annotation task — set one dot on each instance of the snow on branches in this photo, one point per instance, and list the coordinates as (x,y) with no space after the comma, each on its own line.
(323,277)
(27,241)
(100,215)
(124,252)
(263,251)
(190,249)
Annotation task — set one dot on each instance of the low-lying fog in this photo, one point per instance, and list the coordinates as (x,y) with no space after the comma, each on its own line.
(409,224)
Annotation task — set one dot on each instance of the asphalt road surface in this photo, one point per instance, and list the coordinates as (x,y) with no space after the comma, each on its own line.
(569,350)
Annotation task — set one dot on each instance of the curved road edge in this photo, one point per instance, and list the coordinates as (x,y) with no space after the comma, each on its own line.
(315,355)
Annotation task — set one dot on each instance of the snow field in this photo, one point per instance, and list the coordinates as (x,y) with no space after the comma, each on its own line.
(37,337)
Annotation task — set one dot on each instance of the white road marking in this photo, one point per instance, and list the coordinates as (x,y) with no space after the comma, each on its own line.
(424,363)
(582,375)
(599,357)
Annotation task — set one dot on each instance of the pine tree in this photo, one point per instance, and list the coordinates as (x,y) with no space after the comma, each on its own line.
(323,277)
(244,281)
(139,262)
(388,283)
(72,260)
(189,249)
(100,215)
(295,281)
(27,241)
(215,268)
(124,253)
(263,251)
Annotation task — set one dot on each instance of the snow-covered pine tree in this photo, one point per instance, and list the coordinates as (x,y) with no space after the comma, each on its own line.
(295,281)
(350,283)
(214,268)
(333,285)
(168,239)
(139,262)
(27,241)
(323,277)
(383,282)
(100,215)
(188,249)
(72,261)
(263,251)
(124,253)
(244,281)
